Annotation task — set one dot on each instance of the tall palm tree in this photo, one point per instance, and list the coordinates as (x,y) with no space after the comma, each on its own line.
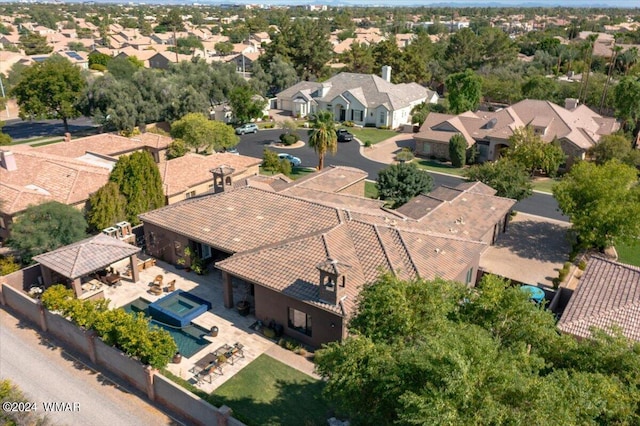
(322,136)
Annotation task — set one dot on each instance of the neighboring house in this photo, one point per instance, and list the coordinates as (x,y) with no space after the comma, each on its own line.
(244,61)
(576,128)
(608,295)
(69,172)
(304,249)
(365,99)
(81,59)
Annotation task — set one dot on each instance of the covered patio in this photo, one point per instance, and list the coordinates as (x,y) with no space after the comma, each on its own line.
(88,265)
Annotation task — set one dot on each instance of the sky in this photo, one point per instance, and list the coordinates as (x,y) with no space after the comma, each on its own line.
(551,3)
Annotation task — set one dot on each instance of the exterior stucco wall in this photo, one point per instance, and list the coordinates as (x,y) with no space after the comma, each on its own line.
(161,243)
(429,149)
(271,305)
(208,184)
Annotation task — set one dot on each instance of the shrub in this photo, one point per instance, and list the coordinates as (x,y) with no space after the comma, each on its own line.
(288,138)
(404,155)
(8,265)
(269,126)
(98,67)
(458,150)
(270,160)
(285,167)
(269,332)
(384,127)
(348,124)
(582,265)
(129,332)
(367,143)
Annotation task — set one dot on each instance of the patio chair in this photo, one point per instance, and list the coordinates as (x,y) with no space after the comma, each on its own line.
(155,290)
(158,280)
(171,286)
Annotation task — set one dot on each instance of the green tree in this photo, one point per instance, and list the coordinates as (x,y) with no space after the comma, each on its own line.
(509,179)
(177,149)
(529,150)
(270,160)
(359,58)
(458,150)
(539,87)
(438,352)
(4,138)
(121,68)
(35,44)
(627,101)
(97,58)
(187,45)
(322,136)
(612,147)
(602,202)
(223,48)
(107,206)
(245,104)
(464,91)
(50,89)
(463,51)
(139,181)
(45,227)
(198,132)
(398,183)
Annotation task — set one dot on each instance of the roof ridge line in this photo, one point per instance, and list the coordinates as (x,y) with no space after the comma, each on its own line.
(384,250)
(406,249)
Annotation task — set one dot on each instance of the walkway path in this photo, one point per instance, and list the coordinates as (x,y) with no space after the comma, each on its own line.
(47,373)
(385,151)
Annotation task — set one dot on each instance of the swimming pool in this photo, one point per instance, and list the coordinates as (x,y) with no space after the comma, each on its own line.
(178,309)
(189,338)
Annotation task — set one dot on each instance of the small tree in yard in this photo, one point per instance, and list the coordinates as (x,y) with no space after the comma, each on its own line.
(198,132)
(610,147)
(458,150)
(533,153)
(602,202)
(401,182)
(46,227)
(106,207)
(508,178)
(270,160)
(177,149)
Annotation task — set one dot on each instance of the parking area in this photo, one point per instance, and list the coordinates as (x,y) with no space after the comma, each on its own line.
(532,251)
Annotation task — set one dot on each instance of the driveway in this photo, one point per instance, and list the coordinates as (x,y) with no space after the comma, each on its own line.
(531,251)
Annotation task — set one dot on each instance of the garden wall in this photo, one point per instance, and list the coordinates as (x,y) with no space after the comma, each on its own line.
(114,360)
(156,387)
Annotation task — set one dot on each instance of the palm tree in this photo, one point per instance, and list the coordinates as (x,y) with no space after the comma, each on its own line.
(322,136)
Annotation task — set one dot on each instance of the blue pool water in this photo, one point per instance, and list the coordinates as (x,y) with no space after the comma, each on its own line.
(178,309)
(188,338)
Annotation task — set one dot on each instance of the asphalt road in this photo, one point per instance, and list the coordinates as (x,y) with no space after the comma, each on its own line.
(348,154)
(46,374)
(19,129)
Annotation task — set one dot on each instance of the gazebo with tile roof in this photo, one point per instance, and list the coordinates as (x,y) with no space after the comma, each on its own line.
(84,257)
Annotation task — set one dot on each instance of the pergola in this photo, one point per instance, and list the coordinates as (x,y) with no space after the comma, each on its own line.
(85,257)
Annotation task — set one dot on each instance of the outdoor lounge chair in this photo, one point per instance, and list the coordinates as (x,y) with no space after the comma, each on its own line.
(156,290)
(171,286)
(158,280)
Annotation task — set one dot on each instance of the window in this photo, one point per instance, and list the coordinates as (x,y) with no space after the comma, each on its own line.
(469,275)
(190,194)
(300,321)
(383,117)
(357,115)
(204,251)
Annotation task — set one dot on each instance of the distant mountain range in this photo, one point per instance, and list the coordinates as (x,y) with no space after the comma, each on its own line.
(401,3)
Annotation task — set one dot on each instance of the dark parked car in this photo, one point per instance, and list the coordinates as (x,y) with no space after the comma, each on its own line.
(344,135)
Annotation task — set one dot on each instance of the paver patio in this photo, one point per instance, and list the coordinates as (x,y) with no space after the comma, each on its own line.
(232,327)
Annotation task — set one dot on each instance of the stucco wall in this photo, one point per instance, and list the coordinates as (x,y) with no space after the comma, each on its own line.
(163,246)
(179,400)
(205,186)
(430,149)
(271,305)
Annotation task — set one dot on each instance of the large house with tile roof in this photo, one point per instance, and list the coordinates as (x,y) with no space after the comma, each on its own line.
(364,99)
(69,172)
(304,249)
(608,295)
(576,127)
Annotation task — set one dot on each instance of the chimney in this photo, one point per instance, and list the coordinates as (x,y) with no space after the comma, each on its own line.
(333,279)
(222,178)
(67,137)
(386,73)
(8,161)
(571,103)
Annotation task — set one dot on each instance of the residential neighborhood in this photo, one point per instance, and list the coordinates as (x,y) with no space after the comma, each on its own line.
(320,214)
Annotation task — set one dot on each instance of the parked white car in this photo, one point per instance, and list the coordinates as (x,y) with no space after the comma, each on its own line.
(295,161)
(247,128)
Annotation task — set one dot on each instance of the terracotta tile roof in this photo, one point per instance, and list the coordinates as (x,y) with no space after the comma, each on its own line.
(268,183)
(367,250)
(86,256)
(182,173)
(108,144)
(581,126)
(608,294)
(243,219)
(465,213)
(345,201)
(41,177)
(330,179)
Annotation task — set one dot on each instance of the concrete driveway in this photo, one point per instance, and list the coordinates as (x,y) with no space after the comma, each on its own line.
(532,250)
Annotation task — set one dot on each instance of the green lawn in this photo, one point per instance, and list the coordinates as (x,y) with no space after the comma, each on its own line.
(268,392)
(371,134)
(629,254)
(296,173)
(370,190)
(544,185)
(436,166)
